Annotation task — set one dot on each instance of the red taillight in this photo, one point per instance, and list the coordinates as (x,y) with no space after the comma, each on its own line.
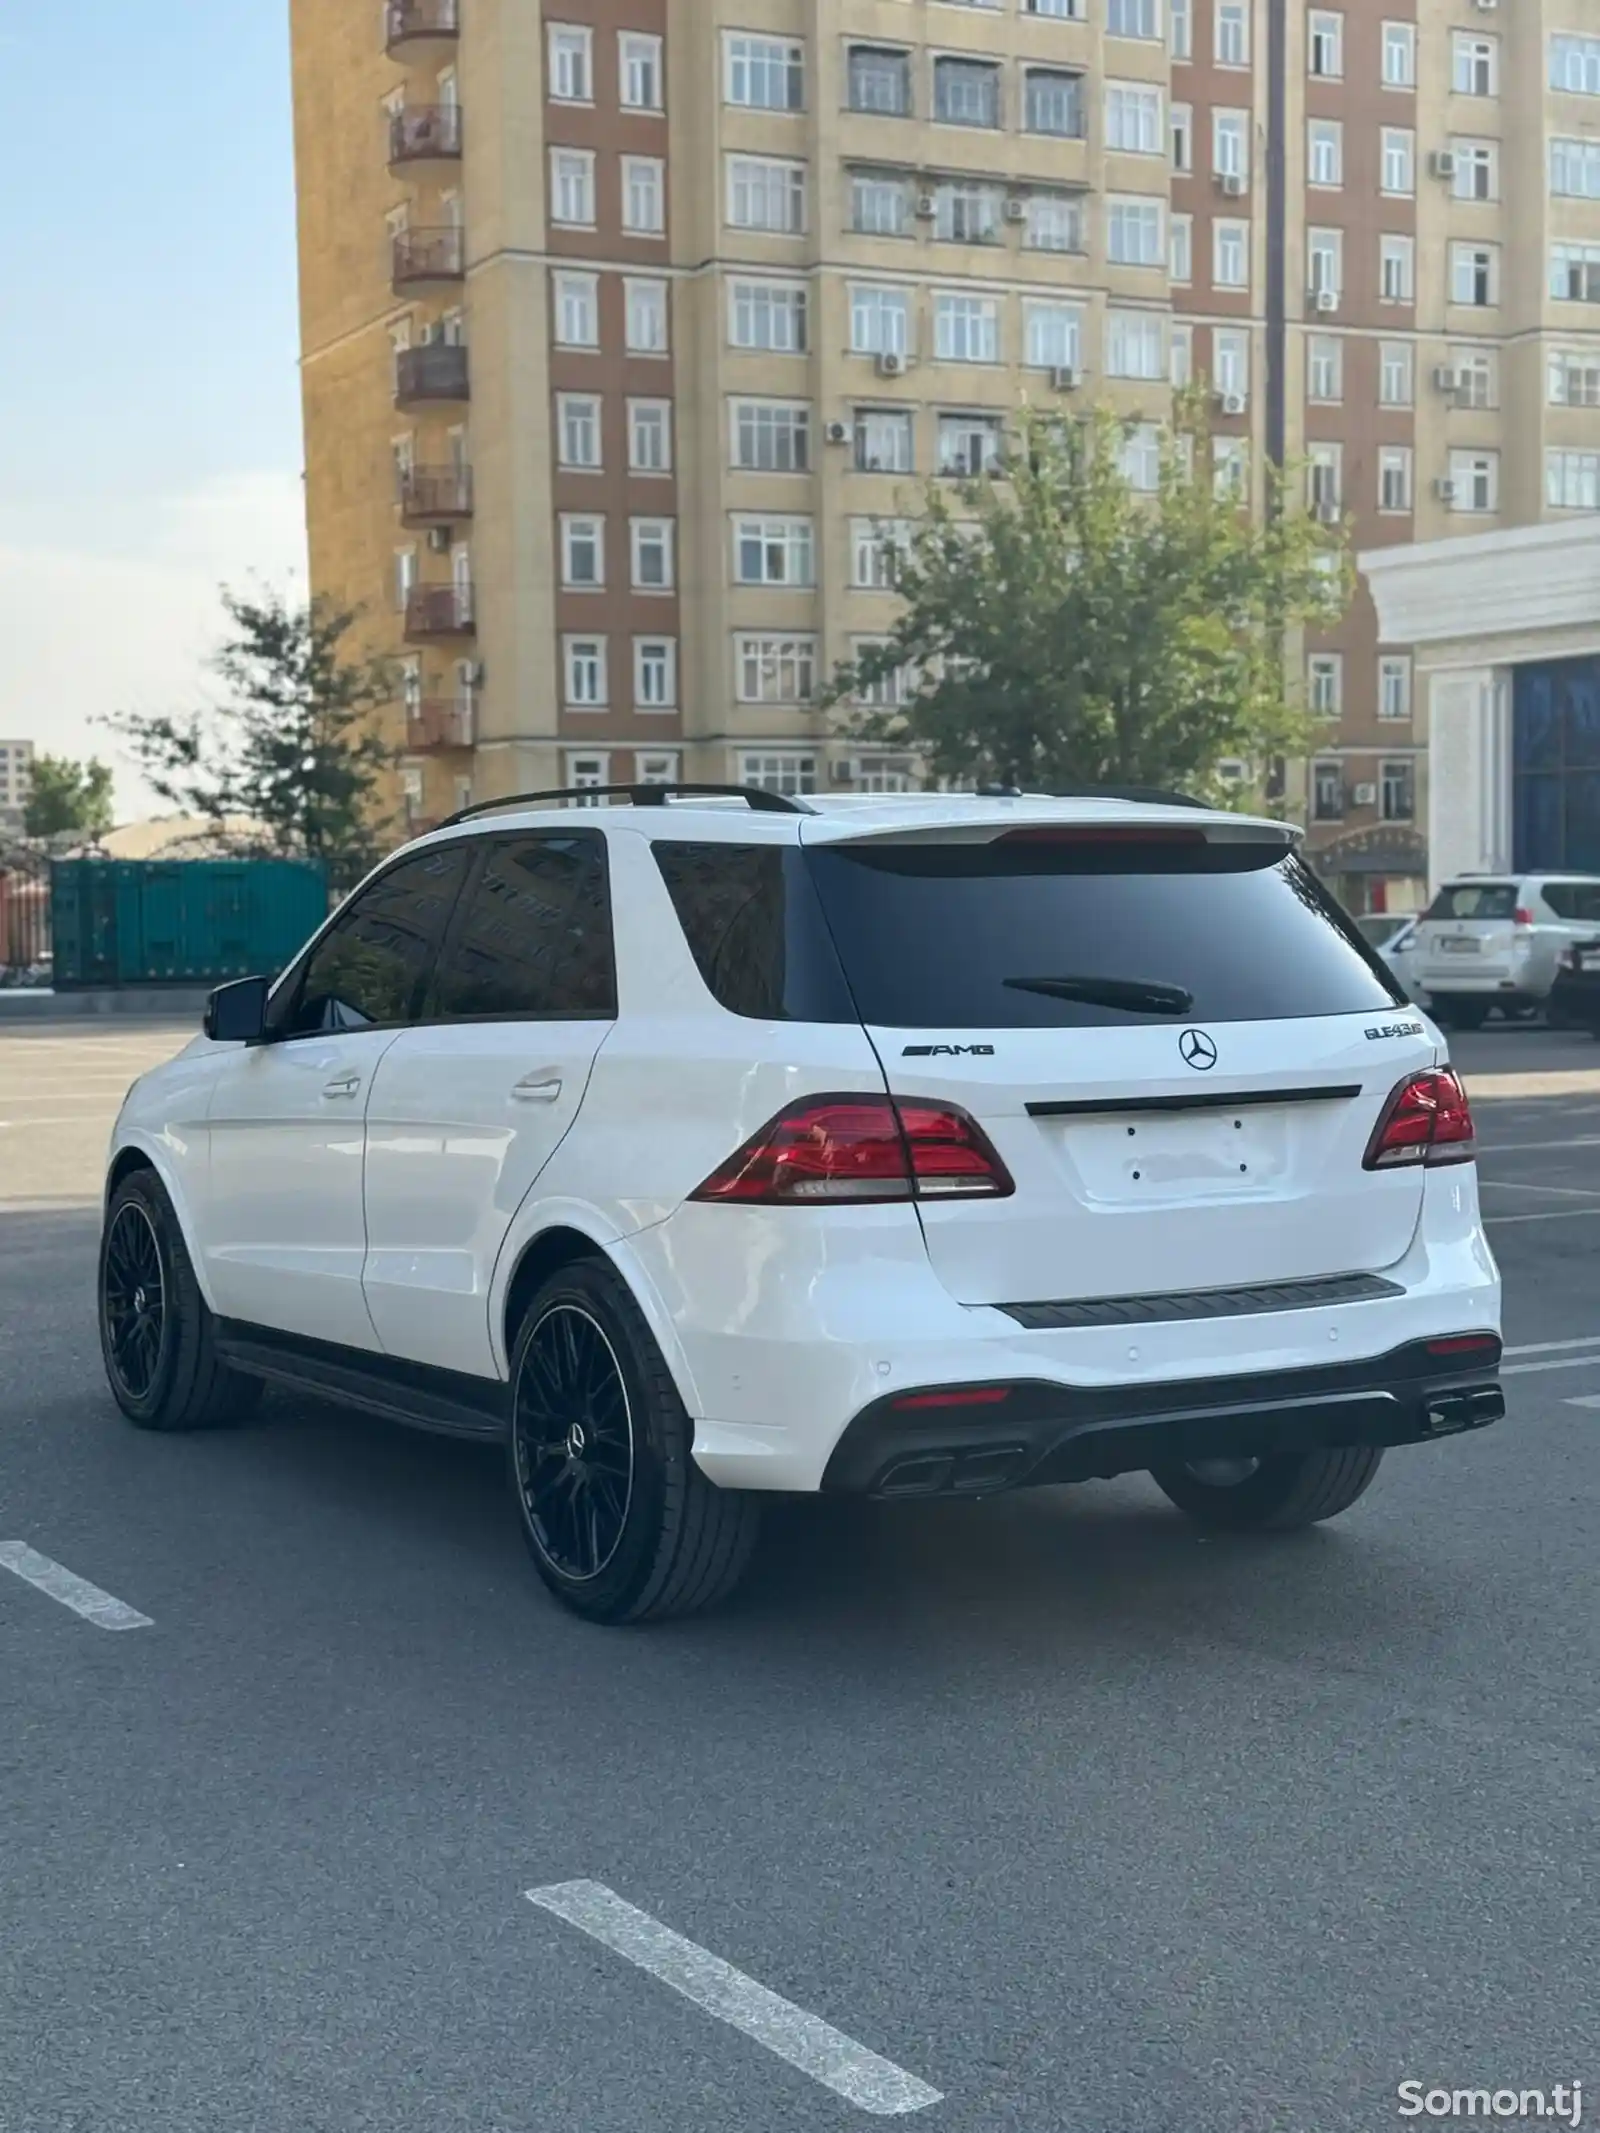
(973,1396)
(1522,916)
(1426,1120)
(1466,1344)
(860,1148)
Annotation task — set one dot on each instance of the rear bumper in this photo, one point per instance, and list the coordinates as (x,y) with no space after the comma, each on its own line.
(1031,1432)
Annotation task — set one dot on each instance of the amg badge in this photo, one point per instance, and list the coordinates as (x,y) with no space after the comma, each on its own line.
(948,1051)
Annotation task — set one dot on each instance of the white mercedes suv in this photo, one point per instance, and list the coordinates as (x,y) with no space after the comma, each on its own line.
(707,1143)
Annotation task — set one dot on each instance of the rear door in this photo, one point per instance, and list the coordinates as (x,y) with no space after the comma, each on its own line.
(1466,937)
(1175,1045)
(468,1107)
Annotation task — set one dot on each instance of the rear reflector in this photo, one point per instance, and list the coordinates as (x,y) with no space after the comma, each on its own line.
(980,1396)
(1426,1120)
(861,1149)
(1466,1344)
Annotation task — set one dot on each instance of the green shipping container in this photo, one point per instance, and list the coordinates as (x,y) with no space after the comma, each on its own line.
(180,921)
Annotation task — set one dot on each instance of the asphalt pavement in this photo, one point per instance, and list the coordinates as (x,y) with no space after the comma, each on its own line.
(1048,1807)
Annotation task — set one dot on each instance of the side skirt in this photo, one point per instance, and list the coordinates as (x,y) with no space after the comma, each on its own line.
(444,1401)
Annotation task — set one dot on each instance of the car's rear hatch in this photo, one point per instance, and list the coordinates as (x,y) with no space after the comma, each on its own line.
(1468,935)
(1203,1130)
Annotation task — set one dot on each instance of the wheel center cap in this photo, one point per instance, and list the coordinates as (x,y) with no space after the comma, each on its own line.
(577,1441)
(138,1301)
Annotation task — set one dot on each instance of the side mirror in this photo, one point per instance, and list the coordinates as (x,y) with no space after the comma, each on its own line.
(237,1013)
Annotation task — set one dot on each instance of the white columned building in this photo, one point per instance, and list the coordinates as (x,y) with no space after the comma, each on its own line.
(1474,610)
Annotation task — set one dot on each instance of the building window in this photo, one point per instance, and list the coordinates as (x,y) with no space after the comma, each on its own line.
(1397,790)
(1325,44)
(657,766)
(652,544)
(646,312)
(1325,369)
(775,670)
(1327,791)
(970,445)
(1396,372)
(1475,481)
(1575,273)
(1572,481)
(1133,233)
(585,659)
(1472,274)
(880,320)
(1180,357)
(879,207)
(1232,39)
(1052,335)
(1574,169)
(644,196)
(1399,160)
(877,548)
(577,310)
(765,73)
(587,772)
(583,553)
(883,441)
(1399,55)
(1133,118)
(1180,248)
(779,773)
(1394,477)
(1057,10)
(1574,377)
(773,551)
(967,212)
(578,427)
(769,316)
(405,577)
(1180,28)
(571,52)
(1054,224)
(1575,65)
(879,81)
(650,436)
(572,186)
(655,673)
(1324,152)
(640,69)
(1323,470)
(1133,18)
(1474,64)
(1397,270)
(1230,361)
(966,92)
(1053,102)
(766,194)
(1230,144)
(1180,132)
(1230,458)
(1133,345)
(1140,457)
(1477,172)
(884,773)
(771,436)
(1325,261)
(1325,684)
(1479,382)
(1230,255)
(1394,686)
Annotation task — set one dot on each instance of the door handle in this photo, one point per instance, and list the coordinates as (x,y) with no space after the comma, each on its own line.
(541,1088)
(345,1085)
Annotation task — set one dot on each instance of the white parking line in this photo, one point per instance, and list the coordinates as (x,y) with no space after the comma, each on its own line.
(1559,1362)
(77,1593)
(804,2040)
(1588,1340)
(1583,1399)
(1578,1140)
(1548,1214)
(1561,1192)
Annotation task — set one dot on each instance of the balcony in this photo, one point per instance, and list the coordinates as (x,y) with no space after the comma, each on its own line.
(436,371)
(433,724)
(408,22)
(439,611)
(426,256)
(425,133)
(435,496)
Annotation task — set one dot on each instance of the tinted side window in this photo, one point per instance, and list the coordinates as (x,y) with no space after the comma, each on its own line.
(750,916)
(370,969)
(534,937)
(1577,900)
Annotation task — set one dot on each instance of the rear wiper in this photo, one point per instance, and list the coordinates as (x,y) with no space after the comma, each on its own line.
(1139,996)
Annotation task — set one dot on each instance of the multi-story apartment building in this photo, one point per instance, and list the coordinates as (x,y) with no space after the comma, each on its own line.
(630,328)
(16,773)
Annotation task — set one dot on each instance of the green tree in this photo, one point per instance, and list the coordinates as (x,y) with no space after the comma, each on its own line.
(1060,627)
(294,748)
(66,798)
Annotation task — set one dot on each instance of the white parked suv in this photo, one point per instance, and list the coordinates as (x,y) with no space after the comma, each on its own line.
(711,1144)
(1491,941)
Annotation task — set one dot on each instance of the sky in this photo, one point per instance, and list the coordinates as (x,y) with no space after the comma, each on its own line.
(148,356)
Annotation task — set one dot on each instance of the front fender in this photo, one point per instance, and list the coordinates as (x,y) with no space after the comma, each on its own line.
(166,1152)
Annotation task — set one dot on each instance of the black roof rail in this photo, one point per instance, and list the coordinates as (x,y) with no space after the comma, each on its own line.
(756,797)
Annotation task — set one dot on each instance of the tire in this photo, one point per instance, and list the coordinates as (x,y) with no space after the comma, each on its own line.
(157,1335)
(620,1522)
(1279,1495)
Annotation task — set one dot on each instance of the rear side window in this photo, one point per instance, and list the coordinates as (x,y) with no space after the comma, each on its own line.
(973,936)
(1475,899)
(370,968)
(1579,900)
(755,929)
(534,935)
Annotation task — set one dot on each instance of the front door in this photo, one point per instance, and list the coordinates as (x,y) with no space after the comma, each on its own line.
(468,1107)
(285,1233)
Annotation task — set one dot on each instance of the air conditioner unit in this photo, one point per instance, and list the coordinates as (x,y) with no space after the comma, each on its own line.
(1364,795)
(1231,185)
(891,364)
(1325,299)
(1231,403)
(1443,162)
(1327,514)
(1016,211)
(1446,380)
(1486,7)
(439,539)
(1063,378)
(927,207)
(1445,491)
(838,433)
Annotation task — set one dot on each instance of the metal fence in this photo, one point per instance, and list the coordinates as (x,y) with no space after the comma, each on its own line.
(24,916)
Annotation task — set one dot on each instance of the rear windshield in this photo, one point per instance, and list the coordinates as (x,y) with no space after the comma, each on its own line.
(1475,899)
(1578,900)
(959,936)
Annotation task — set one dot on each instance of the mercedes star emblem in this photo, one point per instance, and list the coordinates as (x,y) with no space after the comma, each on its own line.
(1197,1050)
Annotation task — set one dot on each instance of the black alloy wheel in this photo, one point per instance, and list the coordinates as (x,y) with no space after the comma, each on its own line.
(133,1301)
(572,1436)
